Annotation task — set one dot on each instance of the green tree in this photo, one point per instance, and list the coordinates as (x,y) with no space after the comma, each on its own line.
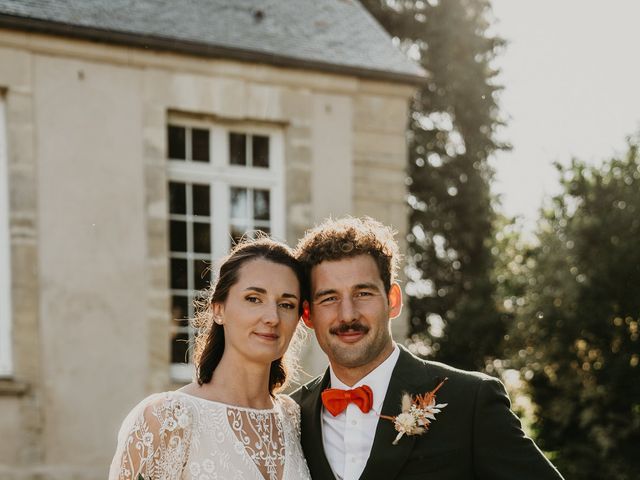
(575,334)
(451,134)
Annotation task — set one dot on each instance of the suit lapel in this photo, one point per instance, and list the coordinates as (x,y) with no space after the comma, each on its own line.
(311,434)
(385,459)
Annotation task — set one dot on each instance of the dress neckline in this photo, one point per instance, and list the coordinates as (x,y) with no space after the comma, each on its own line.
(228,405)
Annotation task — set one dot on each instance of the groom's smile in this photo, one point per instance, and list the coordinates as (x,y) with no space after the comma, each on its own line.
(350,333)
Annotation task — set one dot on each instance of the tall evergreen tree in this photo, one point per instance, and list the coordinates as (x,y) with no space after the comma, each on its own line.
(576,333)
(451,135)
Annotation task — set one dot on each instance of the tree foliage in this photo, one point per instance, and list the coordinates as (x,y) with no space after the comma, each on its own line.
(576,303)
(451,135)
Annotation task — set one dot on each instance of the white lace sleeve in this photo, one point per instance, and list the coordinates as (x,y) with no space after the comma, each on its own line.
(292,412)
(153,443)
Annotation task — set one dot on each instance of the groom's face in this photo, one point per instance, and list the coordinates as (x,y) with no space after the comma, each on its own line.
(350,311)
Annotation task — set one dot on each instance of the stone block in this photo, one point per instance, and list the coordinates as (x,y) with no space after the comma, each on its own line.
(379,87)
(391,160)
(157,86)
(297,106)
(19,108)
(264,103)
(186,92)
(369,144)
(297,186)
(22,195)
(299,134)
(229,98)
(298,157)
(158,240)
(20,142)
(17,77)
(298,221)
(379,184)
(25,291)
(155,179)
(11,428)
(375,113)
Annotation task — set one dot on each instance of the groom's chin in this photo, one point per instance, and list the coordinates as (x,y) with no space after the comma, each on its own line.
(349,355)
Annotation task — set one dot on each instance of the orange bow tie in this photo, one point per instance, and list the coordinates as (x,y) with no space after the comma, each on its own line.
(336,400)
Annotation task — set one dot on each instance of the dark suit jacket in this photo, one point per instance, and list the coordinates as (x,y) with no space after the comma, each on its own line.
(475,437)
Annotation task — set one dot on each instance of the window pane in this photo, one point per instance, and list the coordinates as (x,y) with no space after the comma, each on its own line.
(260,151)
(237,149)
(179,311)
(177,145)
(261,203)
(178,274)
(200,145)
(201,237)
(201,274)
(239,203)
(179,347)
(237,232)
(178,236)
(201,200)
(177,198)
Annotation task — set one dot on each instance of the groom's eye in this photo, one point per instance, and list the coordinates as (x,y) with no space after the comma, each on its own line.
(327,299)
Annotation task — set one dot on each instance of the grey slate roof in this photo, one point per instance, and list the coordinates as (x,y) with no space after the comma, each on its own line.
(328,35)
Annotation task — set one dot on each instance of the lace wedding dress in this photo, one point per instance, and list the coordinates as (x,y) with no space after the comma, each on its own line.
(176,436)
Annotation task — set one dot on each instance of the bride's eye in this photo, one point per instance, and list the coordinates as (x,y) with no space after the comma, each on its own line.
(252,299)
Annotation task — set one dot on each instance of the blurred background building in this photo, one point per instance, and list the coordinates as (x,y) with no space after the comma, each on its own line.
(137,140)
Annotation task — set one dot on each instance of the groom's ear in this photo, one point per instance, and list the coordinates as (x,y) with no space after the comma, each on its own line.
(306,316)
(395,300)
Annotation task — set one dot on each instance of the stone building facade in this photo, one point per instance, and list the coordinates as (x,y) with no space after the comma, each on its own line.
(128,161)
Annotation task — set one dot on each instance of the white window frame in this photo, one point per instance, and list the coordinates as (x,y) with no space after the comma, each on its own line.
(6,354)
(221,176)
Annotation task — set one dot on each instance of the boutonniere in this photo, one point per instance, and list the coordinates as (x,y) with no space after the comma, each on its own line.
(417,413)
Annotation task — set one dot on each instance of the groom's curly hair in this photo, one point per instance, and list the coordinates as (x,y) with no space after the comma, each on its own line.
(337,239)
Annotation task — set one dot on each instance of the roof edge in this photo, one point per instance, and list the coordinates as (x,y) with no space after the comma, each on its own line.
(197,49)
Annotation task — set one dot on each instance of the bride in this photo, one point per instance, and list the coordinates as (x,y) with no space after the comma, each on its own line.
(230,423)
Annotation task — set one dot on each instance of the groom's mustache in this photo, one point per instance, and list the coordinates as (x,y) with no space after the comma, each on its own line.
(349,327)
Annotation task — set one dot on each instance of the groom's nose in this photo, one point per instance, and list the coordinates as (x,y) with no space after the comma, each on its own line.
(347,310)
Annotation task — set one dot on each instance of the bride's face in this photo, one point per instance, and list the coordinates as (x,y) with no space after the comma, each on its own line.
(260,313)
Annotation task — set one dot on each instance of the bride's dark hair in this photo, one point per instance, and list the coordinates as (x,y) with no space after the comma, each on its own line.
(209,343)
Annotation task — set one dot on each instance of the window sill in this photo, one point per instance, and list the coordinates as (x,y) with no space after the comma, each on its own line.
(14,388)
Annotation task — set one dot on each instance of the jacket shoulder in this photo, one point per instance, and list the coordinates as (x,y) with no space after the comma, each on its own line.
(301,392)
(429,369)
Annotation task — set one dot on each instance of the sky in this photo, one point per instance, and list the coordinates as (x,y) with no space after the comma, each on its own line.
(571,73)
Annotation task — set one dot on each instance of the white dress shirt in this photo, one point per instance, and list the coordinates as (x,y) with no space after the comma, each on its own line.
(348,438)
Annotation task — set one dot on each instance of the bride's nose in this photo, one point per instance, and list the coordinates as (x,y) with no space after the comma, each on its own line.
(270,316)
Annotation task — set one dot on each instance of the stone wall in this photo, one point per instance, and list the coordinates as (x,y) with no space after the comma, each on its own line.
(88,222)
(22,398)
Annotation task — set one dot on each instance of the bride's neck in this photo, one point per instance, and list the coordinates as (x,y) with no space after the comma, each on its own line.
(238,382)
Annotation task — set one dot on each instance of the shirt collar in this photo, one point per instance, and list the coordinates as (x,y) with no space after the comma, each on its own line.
(378,379)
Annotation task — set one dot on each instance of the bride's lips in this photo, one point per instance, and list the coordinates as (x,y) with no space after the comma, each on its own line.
(267,336)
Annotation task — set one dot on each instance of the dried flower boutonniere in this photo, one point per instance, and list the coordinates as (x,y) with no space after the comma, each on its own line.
(417,413)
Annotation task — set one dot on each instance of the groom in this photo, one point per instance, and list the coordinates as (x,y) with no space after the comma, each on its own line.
(352,265)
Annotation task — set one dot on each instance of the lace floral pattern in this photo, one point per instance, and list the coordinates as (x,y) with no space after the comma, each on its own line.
(260,434)
(175,436)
